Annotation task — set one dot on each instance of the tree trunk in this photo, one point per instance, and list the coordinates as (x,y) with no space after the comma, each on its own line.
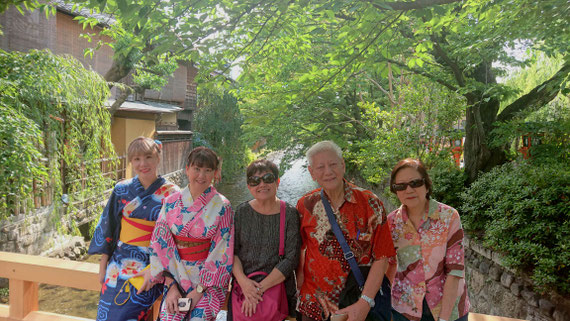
(480,115)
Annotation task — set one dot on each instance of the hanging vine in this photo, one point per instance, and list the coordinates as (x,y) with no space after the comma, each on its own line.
(57,109)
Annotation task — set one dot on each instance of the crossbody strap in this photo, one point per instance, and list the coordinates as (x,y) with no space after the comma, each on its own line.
(348,254)
(282,231)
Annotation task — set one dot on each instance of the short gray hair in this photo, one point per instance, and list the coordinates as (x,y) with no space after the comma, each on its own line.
(324,146)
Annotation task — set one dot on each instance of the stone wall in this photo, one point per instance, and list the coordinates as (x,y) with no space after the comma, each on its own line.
(27,233)
(496,290)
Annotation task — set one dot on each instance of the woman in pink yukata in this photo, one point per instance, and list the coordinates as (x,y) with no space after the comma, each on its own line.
(192,246)
(429,281)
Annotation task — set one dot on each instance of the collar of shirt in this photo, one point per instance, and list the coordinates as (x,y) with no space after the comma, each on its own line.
(432,213)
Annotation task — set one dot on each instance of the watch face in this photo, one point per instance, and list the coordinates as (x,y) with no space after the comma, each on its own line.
(200,289)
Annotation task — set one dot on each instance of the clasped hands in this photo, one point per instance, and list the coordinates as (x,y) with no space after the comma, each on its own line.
(253,292)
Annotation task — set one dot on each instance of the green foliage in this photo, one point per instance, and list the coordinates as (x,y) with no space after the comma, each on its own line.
(20,159)
(56,96)
(217,125)
(448,182)
(523,209)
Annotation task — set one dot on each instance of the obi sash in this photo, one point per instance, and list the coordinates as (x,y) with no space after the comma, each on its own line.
(191,249)
(136,231)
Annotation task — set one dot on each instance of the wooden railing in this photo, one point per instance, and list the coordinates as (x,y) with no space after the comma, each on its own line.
(25,272)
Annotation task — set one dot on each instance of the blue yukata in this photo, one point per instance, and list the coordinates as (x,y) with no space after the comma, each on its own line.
(123,233)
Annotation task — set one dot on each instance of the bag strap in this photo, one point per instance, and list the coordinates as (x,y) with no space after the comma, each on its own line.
(282,231)
(348,254)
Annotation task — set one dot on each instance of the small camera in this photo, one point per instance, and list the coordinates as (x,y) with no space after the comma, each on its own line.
(184,304)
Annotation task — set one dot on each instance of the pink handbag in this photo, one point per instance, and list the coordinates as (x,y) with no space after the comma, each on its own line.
(274,306)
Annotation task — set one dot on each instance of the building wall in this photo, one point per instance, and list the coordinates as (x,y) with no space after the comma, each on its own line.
(124,130)
(175,90)
(26,32)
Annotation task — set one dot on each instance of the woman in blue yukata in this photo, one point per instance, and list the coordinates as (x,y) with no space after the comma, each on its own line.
(123,234)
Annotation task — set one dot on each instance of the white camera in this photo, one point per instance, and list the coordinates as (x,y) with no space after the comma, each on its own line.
(184,304)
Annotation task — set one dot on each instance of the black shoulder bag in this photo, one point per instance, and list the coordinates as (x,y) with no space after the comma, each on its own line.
(382,310)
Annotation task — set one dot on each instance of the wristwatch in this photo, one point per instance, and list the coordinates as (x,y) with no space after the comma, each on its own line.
(370,301)
(200,289)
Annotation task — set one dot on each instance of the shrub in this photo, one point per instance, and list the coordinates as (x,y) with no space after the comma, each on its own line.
(523,210)
(448,183)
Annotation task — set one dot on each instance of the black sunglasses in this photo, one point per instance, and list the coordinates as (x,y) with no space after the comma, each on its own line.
(255,180)
(413,184)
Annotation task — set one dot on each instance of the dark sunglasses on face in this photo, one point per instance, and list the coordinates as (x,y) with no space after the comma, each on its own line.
(413,184)
(255,180)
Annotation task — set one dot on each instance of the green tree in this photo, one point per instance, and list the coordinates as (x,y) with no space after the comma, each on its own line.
(449,42)
(218,126)
(57,97)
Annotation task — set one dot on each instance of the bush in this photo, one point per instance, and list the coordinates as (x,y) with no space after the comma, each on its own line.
(523,210)
(448,183)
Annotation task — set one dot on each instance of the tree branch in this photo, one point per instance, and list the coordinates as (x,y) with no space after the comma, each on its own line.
(406,6)
(423,73)
(538,96)
(450,63)
(356,56)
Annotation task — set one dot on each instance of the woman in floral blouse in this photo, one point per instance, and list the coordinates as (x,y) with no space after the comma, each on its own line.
(429,282)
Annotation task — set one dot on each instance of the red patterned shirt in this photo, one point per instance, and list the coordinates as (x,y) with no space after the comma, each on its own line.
(362,220)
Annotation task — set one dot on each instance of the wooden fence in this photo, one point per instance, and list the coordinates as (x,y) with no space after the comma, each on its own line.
(43,190)
(176,145)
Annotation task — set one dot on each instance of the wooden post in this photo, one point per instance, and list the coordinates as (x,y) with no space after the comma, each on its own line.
(23,298)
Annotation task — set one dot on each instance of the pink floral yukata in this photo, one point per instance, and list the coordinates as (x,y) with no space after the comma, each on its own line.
(425,258)
(209,217)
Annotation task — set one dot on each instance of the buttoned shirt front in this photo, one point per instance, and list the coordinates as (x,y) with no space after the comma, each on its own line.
(426,256)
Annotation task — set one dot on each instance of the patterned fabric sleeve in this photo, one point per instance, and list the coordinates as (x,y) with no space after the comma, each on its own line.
(383,246)
(218,265)
(106,232)
(162,249)
(454,256)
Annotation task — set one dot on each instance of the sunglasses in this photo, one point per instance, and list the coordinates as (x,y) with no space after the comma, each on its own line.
(415,183)
(256,180)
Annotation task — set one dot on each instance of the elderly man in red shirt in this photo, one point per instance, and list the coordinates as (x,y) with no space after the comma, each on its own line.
(323,269)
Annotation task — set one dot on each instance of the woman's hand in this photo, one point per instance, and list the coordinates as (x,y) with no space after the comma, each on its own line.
(357,311)
(251,290)
(248,308)
(195,296)
(171,300)
(103,268)
(147,283)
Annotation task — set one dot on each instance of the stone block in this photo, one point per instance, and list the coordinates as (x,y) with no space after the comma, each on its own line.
(546,306)
(476,262)
(516,288)
(497,258)
(495,273)
(560,315)
(484,267)
(507,279)
(530,297)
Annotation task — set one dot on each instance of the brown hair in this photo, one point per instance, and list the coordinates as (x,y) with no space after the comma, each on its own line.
(416,164)
(262,165)
(142,146)
(203,157)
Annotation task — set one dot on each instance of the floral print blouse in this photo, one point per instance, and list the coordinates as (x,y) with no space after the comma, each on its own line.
(425,257)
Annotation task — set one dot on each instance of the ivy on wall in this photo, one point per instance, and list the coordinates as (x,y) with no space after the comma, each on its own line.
(59,129)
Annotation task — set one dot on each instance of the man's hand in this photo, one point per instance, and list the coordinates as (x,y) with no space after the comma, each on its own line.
(357,311)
